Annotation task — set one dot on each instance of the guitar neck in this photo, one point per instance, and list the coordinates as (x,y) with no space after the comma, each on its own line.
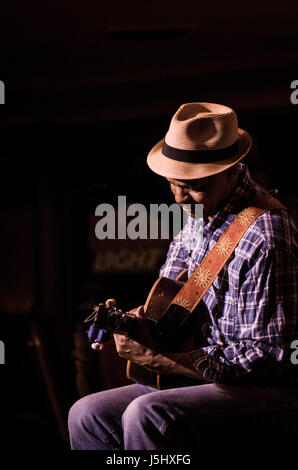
(168,334)
(139,329)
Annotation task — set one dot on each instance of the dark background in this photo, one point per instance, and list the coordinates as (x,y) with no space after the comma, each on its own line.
(90,88)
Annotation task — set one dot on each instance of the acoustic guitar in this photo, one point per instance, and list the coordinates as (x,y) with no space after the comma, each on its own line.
(170,326)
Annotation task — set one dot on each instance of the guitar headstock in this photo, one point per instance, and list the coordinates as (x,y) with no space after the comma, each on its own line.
(105,318)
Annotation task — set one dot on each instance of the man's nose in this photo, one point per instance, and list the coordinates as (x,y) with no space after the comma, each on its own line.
(181,195)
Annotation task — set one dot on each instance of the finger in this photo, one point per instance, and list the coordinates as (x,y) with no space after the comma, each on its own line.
(133,310)
(117,339)
(111,303)
(122,340)
(140,311)
(123,346)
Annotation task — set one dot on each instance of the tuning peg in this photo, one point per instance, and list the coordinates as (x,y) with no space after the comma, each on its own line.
(111,303)
(97,346)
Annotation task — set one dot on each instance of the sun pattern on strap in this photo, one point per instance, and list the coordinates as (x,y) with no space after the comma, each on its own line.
(202,277)
(183,303)
(224,245)
(246,216)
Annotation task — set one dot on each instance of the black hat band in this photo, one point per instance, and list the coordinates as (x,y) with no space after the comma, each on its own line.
(200,156)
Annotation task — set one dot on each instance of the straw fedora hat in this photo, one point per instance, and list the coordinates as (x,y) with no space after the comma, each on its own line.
(203,139)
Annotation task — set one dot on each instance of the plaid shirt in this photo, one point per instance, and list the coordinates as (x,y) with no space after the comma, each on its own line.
(251,315)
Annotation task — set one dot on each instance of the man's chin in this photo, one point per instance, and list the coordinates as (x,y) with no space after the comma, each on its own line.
(191,212)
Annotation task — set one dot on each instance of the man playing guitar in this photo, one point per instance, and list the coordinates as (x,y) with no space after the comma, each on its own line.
(240,364)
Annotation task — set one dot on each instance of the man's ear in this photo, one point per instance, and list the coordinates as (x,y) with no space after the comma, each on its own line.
(231,171)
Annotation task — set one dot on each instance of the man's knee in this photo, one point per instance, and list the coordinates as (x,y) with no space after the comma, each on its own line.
(79,413)
(143,411)
(149,424)
(87,427)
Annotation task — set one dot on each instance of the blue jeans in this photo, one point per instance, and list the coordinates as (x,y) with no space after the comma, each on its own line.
(138,417)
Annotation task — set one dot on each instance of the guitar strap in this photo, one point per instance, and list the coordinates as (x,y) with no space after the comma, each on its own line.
(204,275)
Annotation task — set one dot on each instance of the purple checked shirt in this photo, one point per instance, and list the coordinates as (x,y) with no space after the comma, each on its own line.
(251,316)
